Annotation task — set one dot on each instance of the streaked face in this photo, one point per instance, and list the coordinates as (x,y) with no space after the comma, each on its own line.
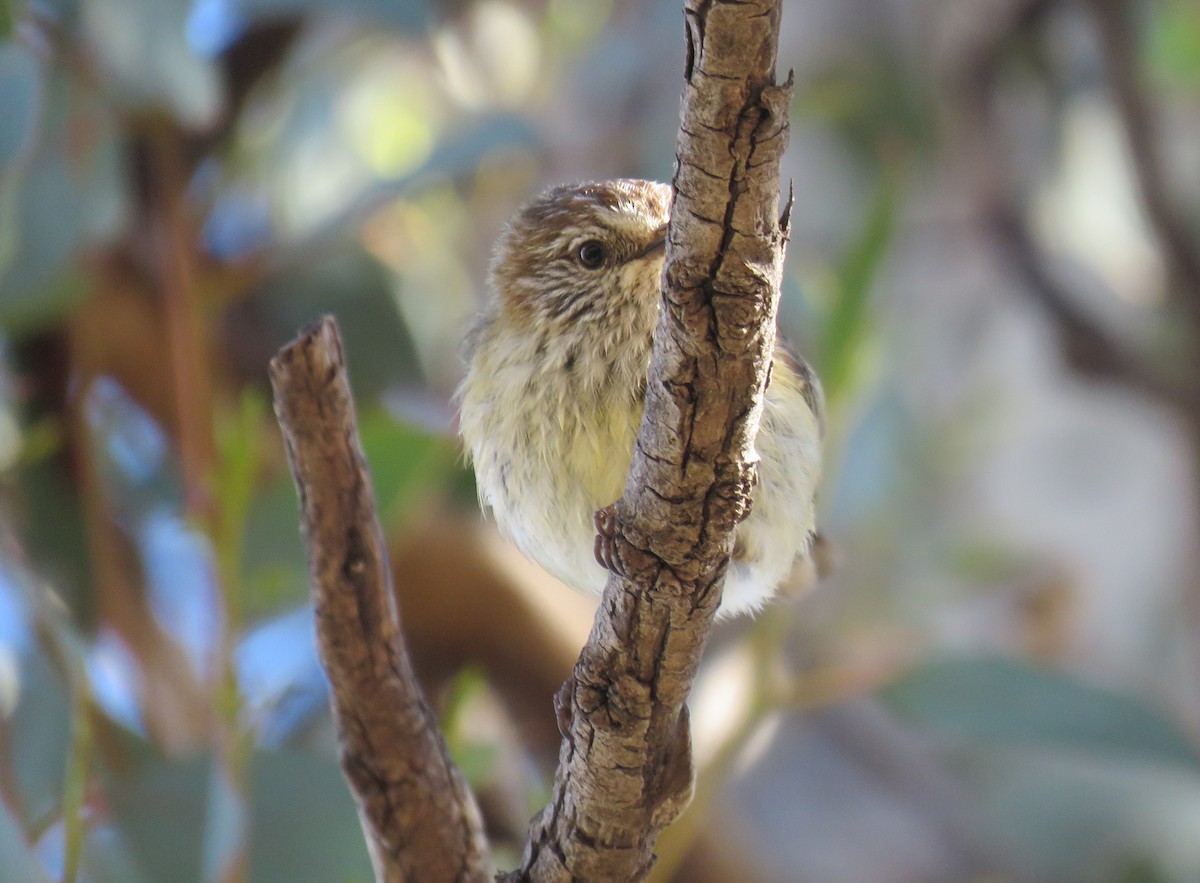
(578,250)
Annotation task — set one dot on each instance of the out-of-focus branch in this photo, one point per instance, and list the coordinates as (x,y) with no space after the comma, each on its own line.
(1088,346)
(1181,250)
(419,817)
(625,768)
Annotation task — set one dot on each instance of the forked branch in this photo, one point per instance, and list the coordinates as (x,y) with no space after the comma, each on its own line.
(625,768)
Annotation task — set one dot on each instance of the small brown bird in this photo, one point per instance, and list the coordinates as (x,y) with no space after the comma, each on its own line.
(555,389)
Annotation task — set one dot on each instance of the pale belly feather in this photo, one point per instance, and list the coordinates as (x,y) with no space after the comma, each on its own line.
(551,519)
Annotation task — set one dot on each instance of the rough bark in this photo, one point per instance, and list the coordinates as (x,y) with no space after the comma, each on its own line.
(419,817)
(625,767)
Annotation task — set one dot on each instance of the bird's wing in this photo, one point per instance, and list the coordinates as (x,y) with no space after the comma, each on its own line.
(805,378)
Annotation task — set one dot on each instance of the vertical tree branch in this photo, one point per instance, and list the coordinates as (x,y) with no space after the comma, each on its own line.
(625,763)
(419,817)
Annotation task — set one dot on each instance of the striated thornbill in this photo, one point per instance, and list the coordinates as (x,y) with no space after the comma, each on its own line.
(556,383)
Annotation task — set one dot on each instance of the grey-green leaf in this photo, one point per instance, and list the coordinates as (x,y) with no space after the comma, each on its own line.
(999,701)
(20,101)
(17,864)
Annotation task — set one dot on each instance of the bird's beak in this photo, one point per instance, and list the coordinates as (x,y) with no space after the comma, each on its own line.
(656,245)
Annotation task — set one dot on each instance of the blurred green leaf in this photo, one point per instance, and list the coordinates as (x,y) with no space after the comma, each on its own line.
(40,738)
(159,808)
(1140,870)
(572,26)
(457,154)
(871,98)
(142,48)
(461,151)
(274,560)
(36,283)
(848,323)
(17,864)
(304,826)
(475,758)
(997,701)
(10,232)
(405,461)
(55,536)
(225,831)
(469,684)
(70,194)
(106,858)
(238,453)
(20,100)
(405,15)
(354,287)
(984,561)
(1071,818)
(40,440)
(1174,43)
(302,823)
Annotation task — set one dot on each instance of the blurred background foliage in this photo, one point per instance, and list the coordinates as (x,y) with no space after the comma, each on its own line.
(995,265)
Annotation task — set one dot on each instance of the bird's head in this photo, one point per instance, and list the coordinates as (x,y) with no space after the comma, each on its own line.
(582,254)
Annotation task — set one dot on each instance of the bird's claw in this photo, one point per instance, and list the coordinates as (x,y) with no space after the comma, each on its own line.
(606,538)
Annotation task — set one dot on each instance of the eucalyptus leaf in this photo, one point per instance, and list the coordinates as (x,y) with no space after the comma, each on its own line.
(301,825)
(106,859)
(142,47)
(355,287)
(1174,50)
(20,101)
(406,15)
(35,284)
(273,561)
(17,864)
(71,193)
(160,810)
(404,460)
(1081,819)
(847,326)
(39,740)
(1002,702)
(304,826)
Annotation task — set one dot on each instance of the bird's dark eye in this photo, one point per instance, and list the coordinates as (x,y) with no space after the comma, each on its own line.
(592,254)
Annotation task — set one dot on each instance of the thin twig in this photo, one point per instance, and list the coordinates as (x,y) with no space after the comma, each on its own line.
(419,817)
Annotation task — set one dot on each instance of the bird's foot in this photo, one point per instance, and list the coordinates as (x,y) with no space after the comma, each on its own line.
(606,538)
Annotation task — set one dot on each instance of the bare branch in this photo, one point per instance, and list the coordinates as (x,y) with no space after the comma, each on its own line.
(625,767)
(1181,249)
(1088,346)
(419,817)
